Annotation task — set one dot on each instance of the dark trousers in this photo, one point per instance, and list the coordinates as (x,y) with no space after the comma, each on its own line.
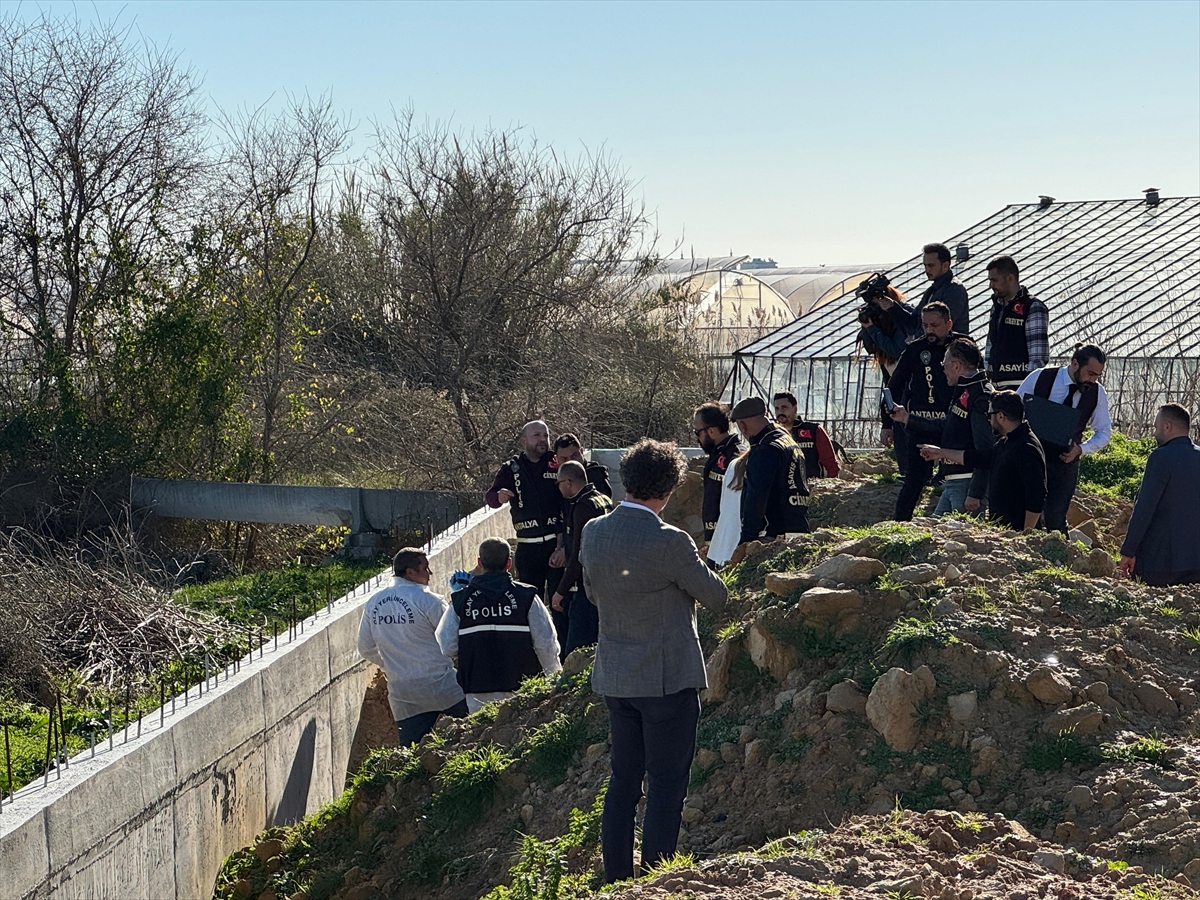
(900,445)
(416,727)
(585,623)
(654,737)
(532,562)
(917,473)
(1061,479)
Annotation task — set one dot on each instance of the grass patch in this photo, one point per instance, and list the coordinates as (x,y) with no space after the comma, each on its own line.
(909,636)
(467,784)
(385,765)
(536,688)
(1048,754)
(670,864)
(802,843)
(747,678)
(1152,750)
(1167,611)
(1116,471)
(717,730)
(1191,635)
(896,543)
(730,630)
(551,747)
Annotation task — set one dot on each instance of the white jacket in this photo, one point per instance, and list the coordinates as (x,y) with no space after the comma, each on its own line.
(398,634)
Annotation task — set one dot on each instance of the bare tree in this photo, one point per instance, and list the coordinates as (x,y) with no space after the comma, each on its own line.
(276,169)
(100,146)
(501,255)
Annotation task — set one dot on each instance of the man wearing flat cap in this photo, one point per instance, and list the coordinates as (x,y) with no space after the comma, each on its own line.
(774,490)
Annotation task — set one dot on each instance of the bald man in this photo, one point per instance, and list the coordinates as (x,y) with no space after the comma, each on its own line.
(528,483)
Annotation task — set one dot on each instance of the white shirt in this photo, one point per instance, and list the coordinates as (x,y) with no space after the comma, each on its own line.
(633,504)
(729,523)
(1101,420)
(541,633)
(398,634)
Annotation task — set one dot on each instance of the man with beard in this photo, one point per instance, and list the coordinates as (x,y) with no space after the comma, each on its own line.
(1076,385)
(944,288)
(1017,485)
(528,483)
(820,460)
(919,377)
(568,449)
(1018,331)
(967,438)
(710,424)
(1162,545)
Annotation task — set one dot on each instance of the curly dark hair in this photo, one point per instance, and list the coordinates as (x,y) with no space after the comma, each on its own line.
(652,469)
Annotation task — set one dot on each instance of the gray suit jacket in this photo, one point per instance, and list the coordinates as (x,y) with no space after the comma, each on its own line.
(644,577)
(1164,531)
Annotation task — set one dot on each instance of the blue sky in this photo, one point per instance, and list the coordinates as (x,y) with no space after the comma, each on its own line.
(809,132)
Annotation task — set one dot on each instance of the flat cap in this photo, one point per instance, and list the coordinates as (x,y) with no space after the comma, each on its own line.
(748,408)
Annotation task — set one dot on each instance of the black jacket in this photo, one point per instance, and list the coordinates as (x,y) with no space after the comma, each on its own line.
(536,508)
(920,383)
(773,486)
(588,504)
(714,474)
(1008,349)
(1017,482)
(967,429)
(597,476)
(948,290)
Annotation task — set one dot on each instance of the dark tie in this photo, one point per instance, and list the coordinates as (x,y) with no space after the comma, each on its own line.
(1072,390)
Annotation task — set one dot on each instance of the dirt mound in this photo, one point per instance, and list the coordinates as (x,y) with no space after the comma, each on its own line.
(1011,720)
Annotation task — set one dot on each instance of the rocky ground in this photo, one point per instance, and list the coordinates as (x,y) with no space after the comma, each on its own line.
(937,709)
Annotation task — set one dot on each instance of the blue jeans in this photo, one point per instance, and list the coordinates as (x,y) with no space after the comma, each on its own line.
(655,737)
(954,497)
(416,727)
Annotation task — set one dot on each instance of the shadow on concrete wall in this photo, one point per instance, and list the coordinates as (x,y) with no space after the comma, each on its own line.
(376,727)
(294,803)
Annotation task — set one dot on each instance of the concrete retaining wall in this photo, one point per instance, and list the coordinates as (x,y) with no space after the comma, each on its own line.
(155,817)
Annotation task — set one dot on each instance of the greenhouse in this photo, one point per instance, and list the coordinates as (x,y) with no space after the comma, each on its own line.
(1124,274)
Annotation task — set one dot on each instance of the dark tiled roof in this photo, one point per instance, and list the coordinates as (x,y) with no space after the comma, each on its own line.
(1118,273)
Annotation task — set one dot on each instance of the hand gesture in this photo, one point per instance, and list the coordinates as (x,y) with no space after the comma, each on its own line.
(932,453)
(885,437)
(556,602)
(504,495)
(972,504)
(899,414)
(1125,567)
(558,558)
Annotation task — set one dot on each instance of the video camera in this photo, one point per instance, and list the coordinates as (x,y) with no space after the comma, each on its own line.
(870,291)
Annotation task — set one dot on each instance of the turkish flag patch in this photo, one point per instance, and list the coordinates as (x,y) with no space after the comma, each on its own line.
(1019,309)
(966,395)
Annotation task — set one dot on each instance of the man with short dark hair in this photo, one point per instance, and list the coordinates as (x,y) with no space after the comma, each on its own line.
(945,288)
(710,425)
(528,483)
(1162,543)
(645,578)
(820,459)
(584,503)
(967,439)
(499,629)
(1017,483)
(1018,330)
(920,378)
(397,633)
(1076,385)
(774,489)
(567,449)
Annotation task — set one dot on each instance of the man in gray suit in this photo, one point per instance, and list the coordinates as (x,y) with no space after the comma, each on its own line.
(1162,544)
(644,577)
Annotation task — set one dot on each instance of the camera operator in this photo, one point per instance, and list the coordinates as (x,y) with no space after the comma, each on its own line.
(885,332)
(920,377)
(945,289)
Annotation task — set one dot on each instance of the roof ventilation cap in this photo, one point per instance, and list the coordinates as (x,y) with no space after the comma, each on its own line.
(1044,201)
(1151,196)
(962,252)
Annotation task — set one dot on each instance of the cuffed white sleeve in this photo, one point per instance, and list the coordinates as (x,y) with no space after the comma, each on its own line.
(1101,425)
(447,632)
(367,647)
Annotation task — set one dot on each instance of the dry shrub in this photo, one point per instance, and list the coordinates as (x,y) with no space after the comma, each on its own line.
(87,614)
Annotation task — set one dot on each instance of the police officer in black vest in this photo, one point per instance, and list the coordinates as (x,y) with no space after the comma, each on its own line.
(710,424)
(774,488)
(920,378)
(528,483)
(1018,331)
(820,457)
(1077,385)
(967,441)
(498,628)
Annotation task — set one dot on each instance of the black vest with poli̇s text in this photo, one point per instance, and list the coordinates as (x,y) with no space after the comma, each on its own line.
(495,648)
(971,398)
(537,507)
(1008,360)
(1089,397)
